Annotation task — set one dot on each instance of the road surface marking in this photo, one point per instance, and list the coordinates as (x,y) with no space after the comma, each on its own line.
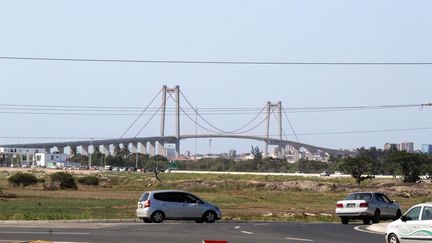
(298,239)
(247,232)
(44,233)
(260,224)
(237,227)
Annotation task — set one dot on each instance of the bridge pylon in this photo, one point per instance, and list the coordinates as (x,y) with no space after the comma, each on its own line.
(176,92)
(269,109)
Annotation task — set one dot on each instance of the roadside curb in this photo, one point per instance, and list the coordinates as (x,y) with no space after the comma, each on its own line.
(69,221)
(379,228)
(373,229)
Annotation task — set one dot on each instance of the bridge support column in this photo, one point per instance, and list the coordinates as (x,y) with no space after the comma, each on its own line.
(282,151)
(294,153)
(177,147)
(152,146)
(72,151)
(143,146)
(133,148)
(84,150)
(161,148)
(105,149)
(60,149)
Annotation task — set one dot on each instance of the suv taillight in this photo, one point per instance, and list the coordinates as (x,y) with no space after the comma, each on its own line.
(364,205)
(147,203)
(339,205)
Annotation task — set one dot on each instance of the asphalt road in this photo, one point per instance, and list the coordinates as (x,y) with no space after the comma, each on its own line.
(185,232)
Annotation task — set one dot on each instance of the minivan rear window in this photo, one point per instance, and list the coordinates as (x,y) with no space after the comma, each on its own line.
(144,196)
(161,196)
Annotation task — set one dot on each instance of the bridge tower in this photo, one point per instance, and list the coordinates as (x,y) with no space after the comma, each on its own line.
(271,107)
(176,92)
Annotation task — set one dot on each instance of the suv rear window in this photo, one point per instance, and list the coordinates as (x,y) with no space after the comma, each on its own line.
(144,196)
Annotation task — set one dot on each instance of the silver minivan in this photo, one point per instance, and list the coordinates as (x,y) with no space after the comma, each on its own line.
(156,206)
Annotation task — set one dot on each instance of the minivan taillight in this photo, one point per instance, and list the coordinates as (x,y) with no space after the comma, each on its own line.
(364,205)
(339,205)
(147,203)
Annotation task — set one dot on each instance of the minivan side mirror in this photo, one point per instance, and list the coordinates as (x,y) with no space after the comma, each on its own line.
(404,218)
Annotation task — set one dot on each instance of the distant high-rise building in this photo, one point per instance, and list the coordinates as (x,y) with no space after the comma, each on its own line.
(232,153)
(391,146)
(407,146)
(427,148)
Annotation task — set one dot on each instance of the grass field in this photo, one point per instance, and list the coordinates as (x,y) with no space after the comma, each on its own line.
(241,197)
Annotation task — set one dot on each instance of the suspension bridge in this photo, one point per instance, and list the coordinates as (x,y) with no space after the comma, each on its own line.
(153,145)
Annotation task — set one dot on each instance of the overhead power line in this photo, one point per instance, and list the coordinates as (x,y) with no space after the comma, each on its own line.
(135,111)
(172,61)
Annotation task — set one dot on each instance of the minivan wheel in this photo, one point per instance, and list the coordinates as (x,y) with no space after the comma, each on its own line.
(157,217)
(210,217)
(344,220)
(393,238)
(376,217)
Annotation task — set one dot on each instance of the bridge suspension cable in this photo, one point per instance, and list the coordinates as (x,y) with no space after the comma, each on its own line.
(289,122)
(220,131)
(142,112)
(149,120)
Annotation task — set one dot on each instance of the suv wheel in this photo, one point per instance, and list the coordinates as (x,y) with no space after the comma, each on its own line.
(209,217)
(376,217)
(157,217)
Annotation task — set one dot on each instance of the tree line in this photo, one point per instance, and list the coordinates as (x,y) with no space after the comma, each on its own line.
(368,162)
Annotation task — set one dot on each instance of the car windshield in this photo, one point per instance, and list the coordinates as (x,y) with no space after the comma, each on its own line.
(359,196)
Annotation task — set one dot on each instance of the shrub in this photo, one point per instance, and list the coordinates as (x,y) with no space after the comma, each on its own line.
(23,179)
(63,180)
(89,180)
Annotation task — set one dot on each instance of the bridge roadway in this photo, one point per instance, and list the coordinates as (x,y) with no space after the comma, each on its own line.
(173,139)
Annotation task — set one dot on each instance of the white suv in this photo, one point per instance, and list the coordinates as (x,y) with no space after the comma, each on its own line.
(156,206)
(414,226)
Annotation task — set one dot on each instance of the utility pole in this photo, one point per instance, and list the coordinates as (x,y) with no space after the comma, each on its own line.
(210,143)
(90,154)
(196,130)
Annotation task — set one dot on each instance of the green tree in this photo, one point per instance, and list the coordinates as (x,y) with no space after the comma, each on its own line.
(411,165)
(63,180)
(357,167)
(97,157)
(23,179)
(256,153)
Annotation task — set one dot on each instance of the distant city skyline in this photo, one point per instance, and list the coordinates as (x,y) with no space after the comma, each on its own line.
(270,31)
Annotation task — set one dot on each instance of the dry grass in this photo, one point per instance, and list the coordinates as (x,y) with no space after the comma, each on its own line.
(240,197)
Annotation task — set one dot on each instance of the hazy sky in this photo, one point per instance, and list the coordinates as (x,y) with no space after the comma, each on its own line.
(275,31)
